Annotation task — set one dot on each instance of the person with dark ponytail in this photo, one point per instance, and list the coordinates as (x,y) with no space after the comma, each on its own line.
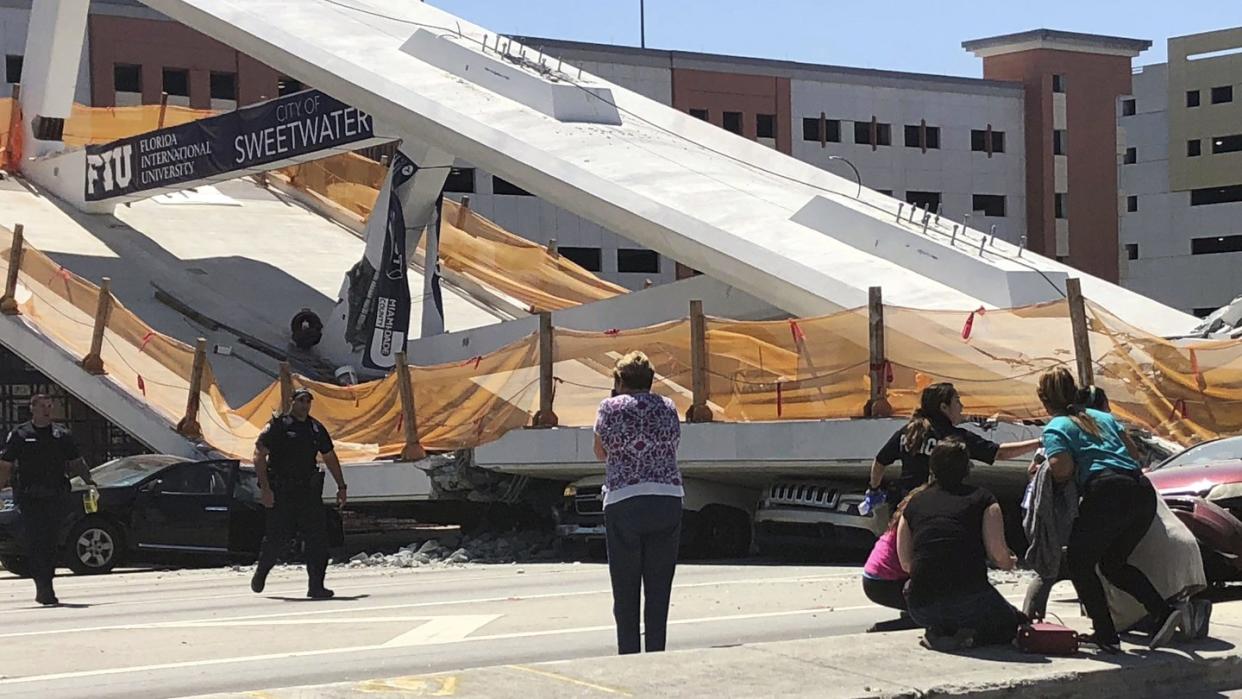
(936,419)
(1117,508)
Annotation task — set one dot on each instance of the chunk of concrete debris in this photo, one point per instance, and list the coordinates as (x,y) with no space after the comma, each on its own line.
(459,556)
(360,557)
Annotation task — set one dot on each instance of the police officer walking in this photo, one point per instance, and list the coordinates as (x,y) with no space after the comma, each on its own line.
(292,490)
(36,457)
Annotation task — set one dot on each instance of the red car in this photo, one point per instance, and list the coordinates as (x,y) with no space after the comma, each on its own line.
(1203,486)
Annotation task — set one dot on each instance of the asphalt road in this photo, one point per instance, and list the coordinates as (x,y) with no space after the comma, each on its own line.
(171,633)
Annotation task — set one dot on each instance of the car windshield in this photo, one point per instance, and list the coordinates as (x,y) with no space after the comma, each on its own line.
(1216,450)
(129,470)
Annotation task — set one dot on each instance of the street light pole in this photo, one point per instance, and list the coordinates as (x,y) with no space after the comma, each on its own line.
(856,175)
(642,23)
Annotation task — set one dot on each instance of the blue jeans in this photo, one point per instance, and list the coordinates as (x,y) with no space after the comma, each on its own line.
(993,619)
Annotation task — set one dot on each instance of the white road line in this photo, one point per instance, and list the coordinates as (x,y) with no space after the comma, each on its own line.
(345,585)
(442,629)
(334,609)
(357,649)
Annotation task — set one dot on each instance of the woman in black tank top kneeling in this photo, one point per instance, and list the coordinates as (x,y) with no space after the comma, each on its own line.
(949,532)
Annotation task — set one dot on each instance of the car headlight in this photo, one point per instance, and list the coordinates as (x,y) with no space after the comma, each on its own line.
(570,491)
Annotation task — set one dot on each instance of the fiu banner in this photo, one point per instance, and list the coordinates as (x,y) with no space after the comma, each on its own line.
(268,132)
(388,310)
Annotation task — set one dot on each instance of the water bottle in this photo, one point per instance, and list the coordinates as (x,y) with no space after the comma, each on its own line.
(873,499)
(90,501)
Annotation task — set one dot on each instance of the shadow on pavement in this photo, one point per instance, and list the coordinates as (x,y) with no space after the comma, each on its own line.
(338,598)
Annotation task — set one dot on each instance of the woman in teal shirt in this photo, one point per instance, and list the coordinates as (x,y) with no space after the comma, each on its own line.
(1117,508)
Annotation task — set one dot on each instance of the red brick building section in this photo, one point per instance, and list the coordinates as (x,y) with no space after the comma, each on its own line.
(155,45)
(1092,72)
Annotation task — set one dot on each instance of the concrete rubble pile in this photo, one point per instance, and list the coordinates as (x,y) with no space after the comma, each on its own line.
(454,549)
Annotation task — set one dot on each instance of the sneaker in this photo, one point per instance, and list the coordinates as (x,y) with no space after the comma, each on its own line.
(1167,626)
(48,600)
(321,593)
(946,643)
(1111,646)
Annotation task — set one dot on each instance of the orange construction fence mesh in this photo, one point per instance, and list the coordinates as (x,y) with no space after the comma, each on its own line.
(470,244)
(91,125)
(808,368)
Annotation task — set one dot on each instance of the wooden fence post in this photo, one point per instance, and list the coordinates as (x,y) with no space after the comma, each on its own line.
(286,387)
(412,451)
(1082,338)
(8,303)
(698,412)
(93,361)
(188,426)
(545,417)
(877,405)
(163,109)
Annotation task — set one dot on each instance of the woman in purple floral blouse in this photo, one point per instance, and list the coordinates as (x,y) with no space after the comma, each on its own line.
(636,436)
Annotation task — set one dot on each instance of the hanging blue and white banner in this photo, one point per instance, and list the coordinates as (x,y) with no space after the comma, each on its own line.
(388,310)
(269,132)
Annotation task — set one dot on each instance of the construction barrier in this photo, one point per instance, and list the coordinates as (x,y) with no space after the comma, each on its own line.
(807,368)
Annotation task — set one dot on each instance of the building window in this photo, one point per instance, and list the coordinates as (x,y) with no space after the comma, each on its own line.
(885,192)
(1132,203)
(1227,144)
(460,180)
(699,114)
(883,133)
(1216,195)
(926,200)
(1060,204)
(286,85)
(224,86)
(589,259)
(1193,148)
(765,126)
(1060,142)
(503,186)
(1205,311)
(1131,156)
(913,132)
(733,122)
(1213,246)
(979,141)
(127,77)
(1131,251)
(177,82)
(1058,83)
(12,69)
(1128,107)
(990,204)
(1222,94)
(811,130)
(1192,98)
(639,261)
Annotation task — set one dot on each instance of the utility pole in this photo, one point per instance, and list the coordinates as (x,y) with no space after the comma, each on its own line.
(642,23)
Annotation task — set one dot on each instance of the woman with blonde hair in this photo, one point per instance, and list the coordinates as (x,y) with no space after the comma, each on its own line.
(636,436)
(1117,508)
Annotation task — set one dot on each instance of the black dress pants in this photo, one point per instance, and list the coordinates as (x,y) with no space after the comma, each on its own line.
(643,534)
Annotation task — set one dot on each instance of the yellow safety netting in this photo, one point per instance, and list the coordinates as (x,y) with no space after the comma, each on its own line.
(91,125)
(756,371)
(470,244)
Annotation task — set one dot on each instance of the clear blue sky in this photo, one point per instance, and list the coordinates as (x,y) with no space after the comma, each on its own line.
(923,36)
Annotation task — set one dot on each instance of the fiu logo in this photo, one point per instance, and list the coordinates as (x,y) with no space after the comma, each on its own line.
(113,169)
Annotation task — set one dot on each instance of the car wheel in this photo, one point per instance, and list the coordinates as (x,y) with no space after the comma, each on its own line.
(93,547)
(15,565)
(723,532)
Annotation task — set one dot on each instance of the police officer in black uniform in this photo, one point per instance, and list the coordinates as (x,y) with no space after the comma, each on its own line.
(36,457)
(937,418)
(292,490)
